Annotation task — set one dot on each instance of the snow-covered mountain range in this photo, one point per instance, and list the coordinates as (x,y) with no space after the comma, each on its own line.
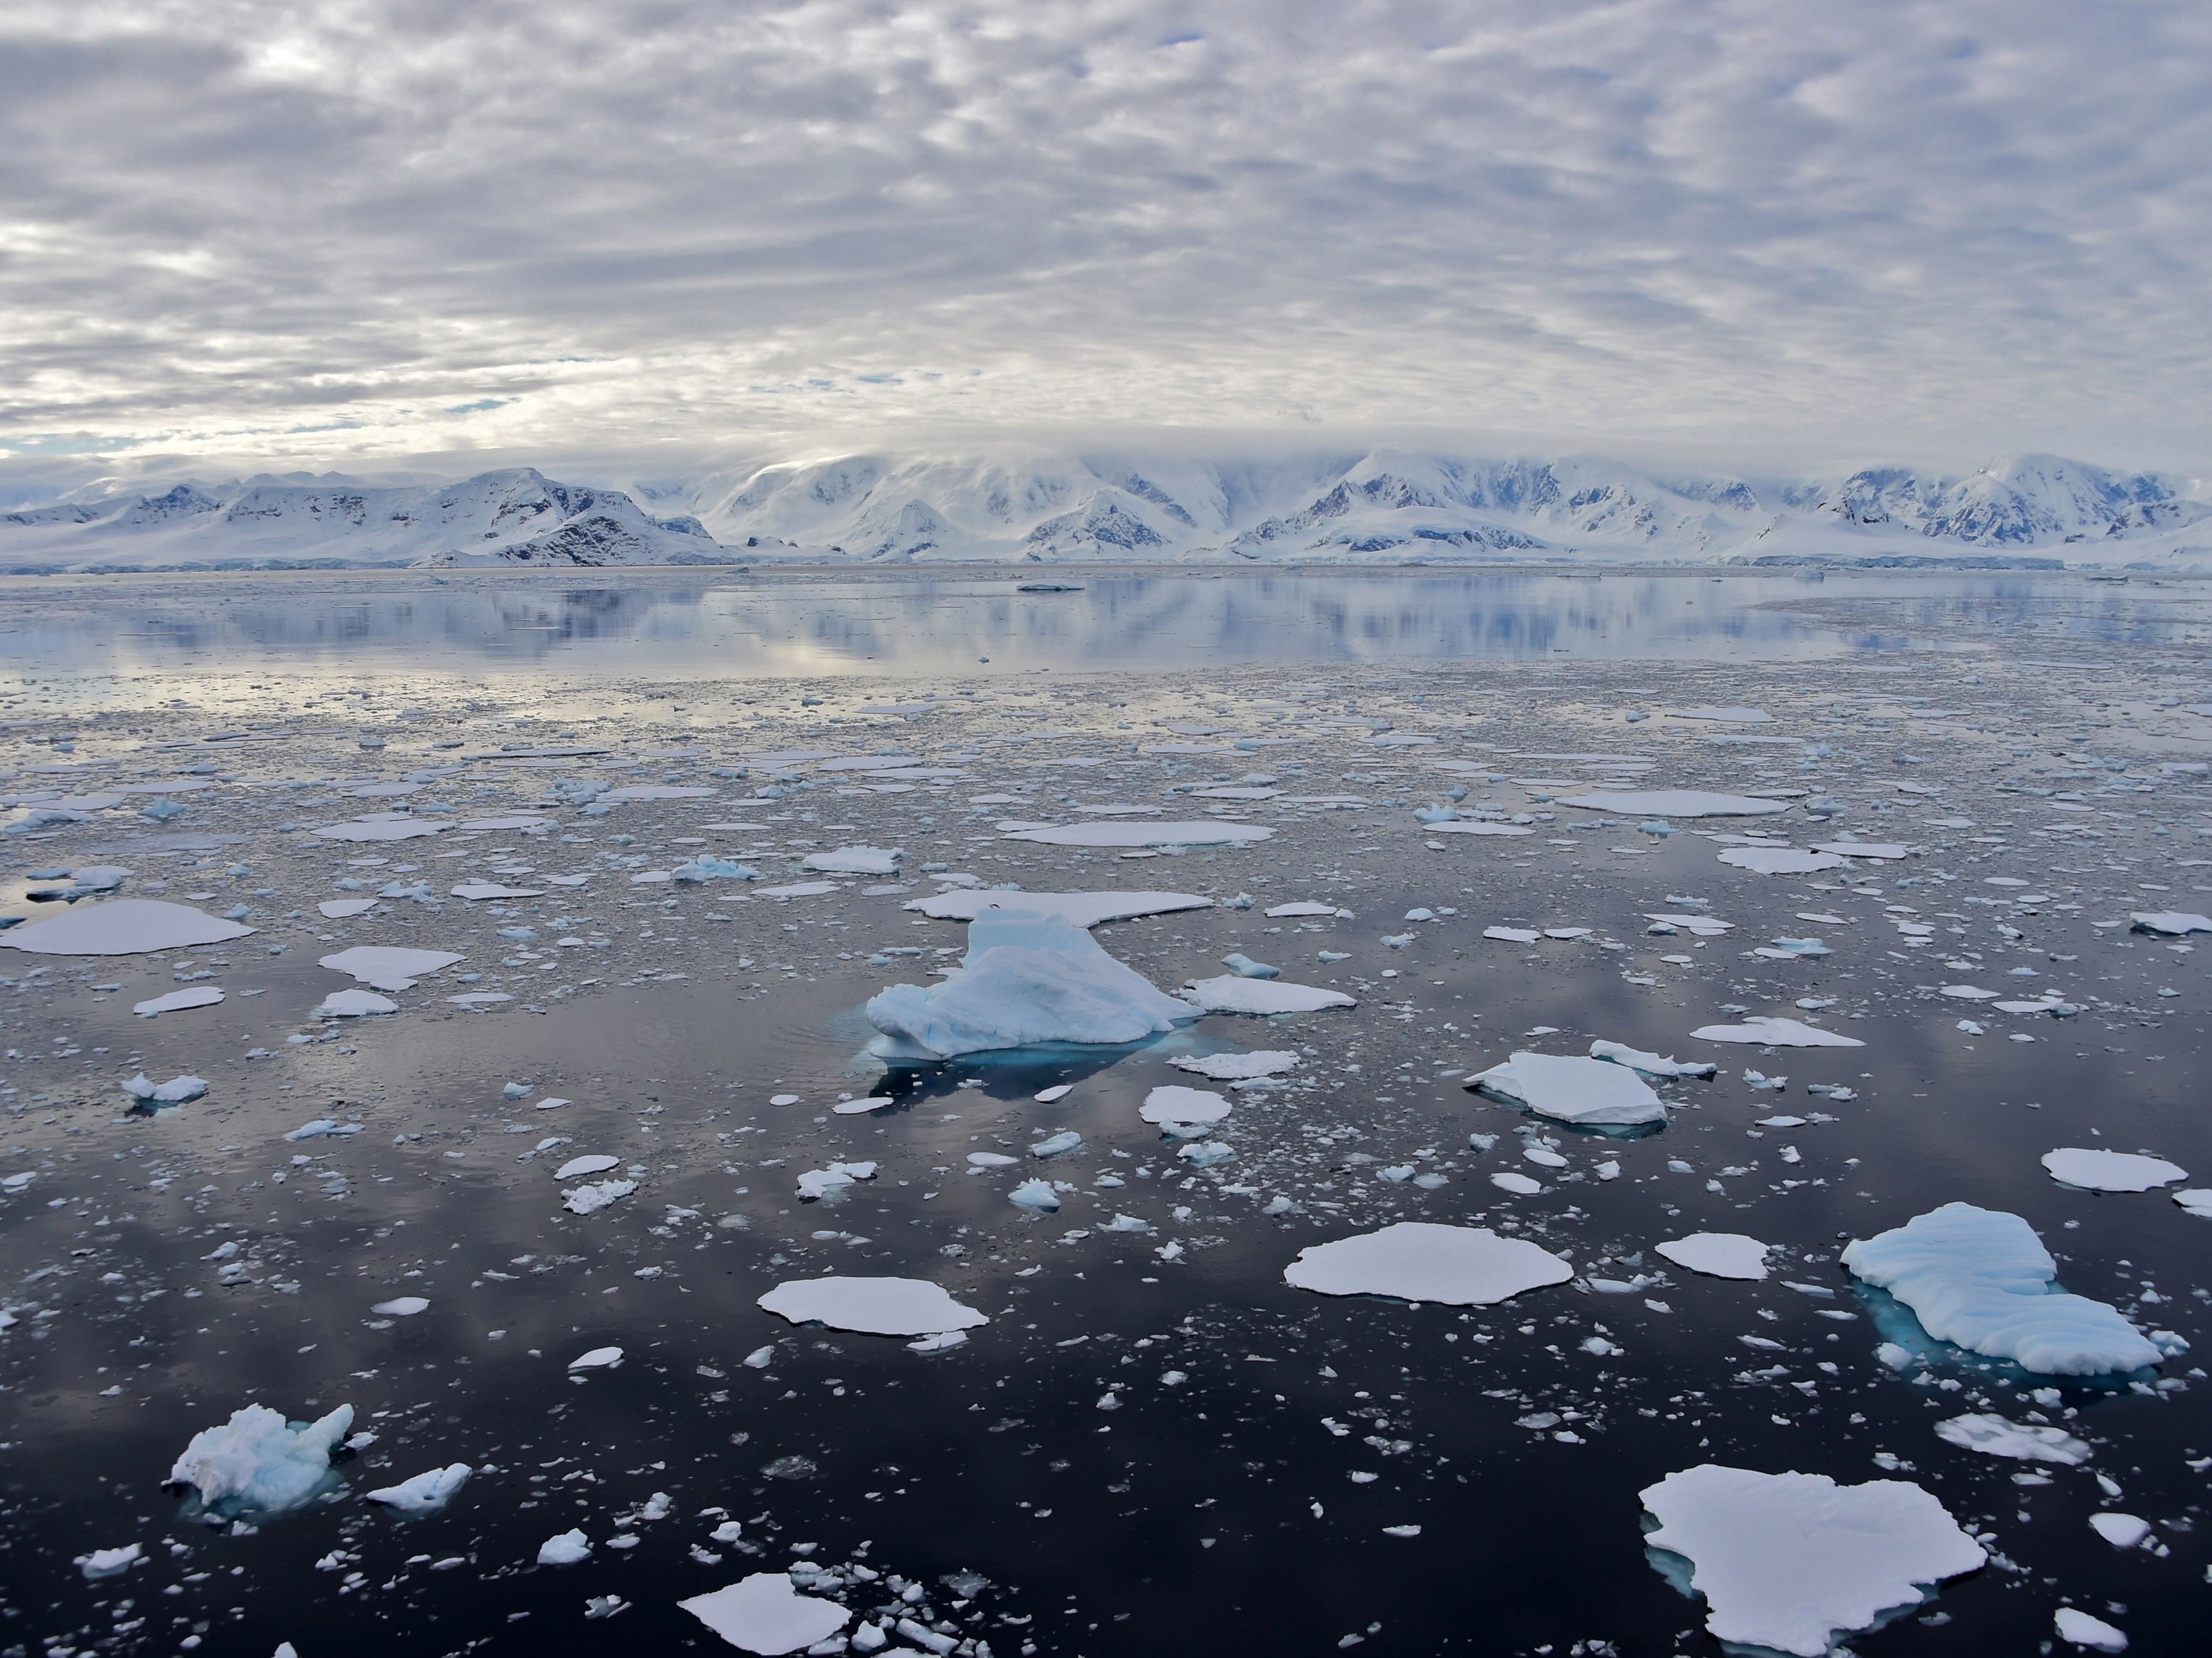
(1033,505)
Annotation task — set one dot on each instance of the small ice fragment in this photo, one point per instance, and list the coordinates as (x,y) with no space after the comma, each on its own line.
(401,1307)
(1230,994)
(599,1358)
(1718,1254)
(1239,1067)
(590,1198)
(992,1160)
(426,1493)
(382,967)
(854,860)
(1778,860)
(355,1004)
(178,1091)
(570,1548)
(759,1359)
(860,1108)
(1054,1145)
(764,1614)
(1245,967)
(1507,1180)
(177,1001)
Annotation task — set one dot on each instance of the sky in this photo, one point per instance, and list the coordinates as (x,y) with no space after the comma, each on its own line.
(1775,230)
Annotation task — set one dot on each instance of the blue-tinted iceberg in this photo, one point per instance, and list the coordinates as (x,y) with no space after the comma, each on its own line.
(1981,1279)
(259,1462)
(1027,978)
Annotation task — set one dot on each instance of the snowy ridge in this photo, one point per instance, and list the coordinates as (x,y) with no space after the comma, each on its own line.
(1032,505)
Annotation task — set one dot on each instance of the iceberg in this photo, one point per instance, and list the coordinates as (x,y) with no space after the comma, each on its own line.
(764,1614)
(1768,1032)
(1718,1254)
(1650,1066)
(1422,1260)
(1981,1279)
(110,1562)
(256,1462)
(872,1306)
(123,926)
(1036,1196)
(1027,978)
(426,1493)
(1230,994)
(595,1195)
(2109,1171)
(1786,1560)
(1997,1435)
(1568,1088)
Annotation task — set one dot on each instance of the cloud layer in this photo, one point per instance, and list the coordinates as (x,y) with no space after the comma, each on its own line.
(378,228)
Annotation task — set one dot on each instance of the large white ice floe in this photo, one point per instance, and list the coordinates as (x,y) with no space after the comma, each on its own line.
(1172,1103)
(2198,1200)
(1082,909)
(1787,1560)
(259,1462)
(764,1614)
(426,1493)
(1981,1279)
(177,1001)
(1674,803)
(389,967)
(1238,1068)
(123,926)
(1778,860)
(2173,923)
(1027,978)
(872,1306)
(1230,994)
(853,860)
(1208,832)
(1718,1254)
(1766,1031)
(1997,1435)
(2081,1629)
(1650,1066)
(1568,1088)
(2111,1172)
(1421,1260)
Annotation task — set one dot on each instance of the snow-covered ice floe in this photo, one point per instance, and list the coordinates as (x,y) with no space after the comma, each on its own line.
(593,1196)
(389,967)
(2173,923)
(1650,1066)
(1785,1561)
(1238,1068)
(1421,1260)
(397,826)
(872,1306)
(1027,978)
(1172,1103)
(355,1004)
(1569,1089)
(1214,833)
(123,926)
(2111,1172)
(853,860)
(2081,1628)
(2023,1442)
(2198,1200)
(1674,803)
(258,1462)
(1981,1279)
(1778,860)
(1765,1031)
(177,1001)
(1718,1254)
(1082,909)
(1471,826)
(475,891)
(764,1614)
(426,1493)
(1230,994)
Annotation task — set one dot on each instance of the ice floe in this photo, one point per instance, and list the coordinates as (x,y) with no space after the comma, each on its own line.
(1082,909)
(1766,1031)
(1210,833)
(343,909)
(854,860)
(2122,1531)
(591,1198)
(1238,1068)
(1231,994)
(399,826)
(764,1614)
(475,891)
(426,1493)
(2023,1442)
(2173,923)
(355,1004)
(2111,1172)
(872,1306)
(599,1358)
(2081,1628)
(577,1168)
(123,926)
(1571,1089)
(1718,1254)
(1981,1279)
(178,1091)
(388,966)
(177,1001)
(1778,860)
(1675,803)
(1650,1066)
(258,1462)
(569,1548)
(1785,1561)
(1171,1102)
(1424,1262)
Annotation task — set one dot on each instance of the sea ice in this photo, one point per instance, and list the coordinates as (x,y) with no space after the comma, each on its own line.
(817,1183)
(1512,935)
(1674,803)
(1475,826)
(110,1562)
(1769,1032)
(2198,1200)
(355,1004)
(568,1548)
(853,860)
(2122,1531)
(1238,1068)
(1212,833)
(599,1358)
(1303,909)
(1423,1261)
(1786,1560)
(1082,909)
(1573,1090)
(2173,923)
(1861,849)
(1778,860)
(2111,1172)
(2081,1629)
(1036,1196)
(259,1462)
(1230,994)
(577,1168)
(1733,716)
(1997,1435)
(398,827)
(1171,1102)
(475,891)
(1650,1066)
(1718,1254)
(178,1091)
(872,1306)
(590,1198)
(1027,978)
(387,967)
(398,1306)
(121,926)
(341,909)
(426,1493)
(1981,1279)
(177,1001)
(764,1614)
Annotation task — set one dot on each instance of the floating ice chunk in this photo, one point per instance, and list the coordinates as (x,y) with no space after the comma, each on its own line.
(1245,967)
(854,860)
(1733,716)
(705,867)
(860,1108)
(324,1128)
(2078,1627)
(1126,1223)
(1997,1435)
(426,1493)
(872,1306)
(525,823)
(178,1091)
(259,1462)
(1036,1195)
(340,909)
(1778,860)
(817,1183)
(1718,1254)
(1026,978)
(1476,826)
(1569,1089)
(1082,909)
(2111,1172)
(2198,1200)
(401,1307)
(1512,935)
(1969,993)
(1052,1096)
(1171,1102)
(2122,1531)
(570,1548)
(577,1168)
(1230,994)
(599,1358)
(388,966)
(474,890)
(1204,1154)
(589,1199)
(1213,833)
(1054,1145)
(764,1614)
(177,1001)
(1704,926)
(992,1160)
(1674,803)
(657,791)
(110,1562)
(1303,909)
(1786,1560)
(943,1342)
(2173,922)
(1650,1066)
(1238,1068)
(355,1004)
(799,889)
(1770,1032)
(121,926)
(1507,1180)
(1421,1260)
(1861,849)
(1981,1279)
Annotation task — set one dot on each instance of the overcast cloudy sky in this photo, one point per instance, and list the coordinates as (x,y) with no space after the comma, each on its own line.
(333,232)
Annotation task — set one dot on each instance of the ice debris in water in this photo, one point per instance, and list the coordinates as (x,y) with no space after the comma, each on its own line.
(401,1307)
(1026,978)
(1998,1435)
(1981,1279)
(355,1004)
(818,1184)
(597,1162)
(1786,1560)
(2111,1172)
(591,1198)
(1779,861)
(872,1306)
(1770,1032)
(121,926)
(1054,1145)
(705,867)
(1230,994)
(258,1462)
(1650,1066)
(1422,1260)
(1718,1254)
(2122,1531)
(1572,1089)
(426,1493)
(2174,923)
(1238,1068)
(178,1001)
(764,1614)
